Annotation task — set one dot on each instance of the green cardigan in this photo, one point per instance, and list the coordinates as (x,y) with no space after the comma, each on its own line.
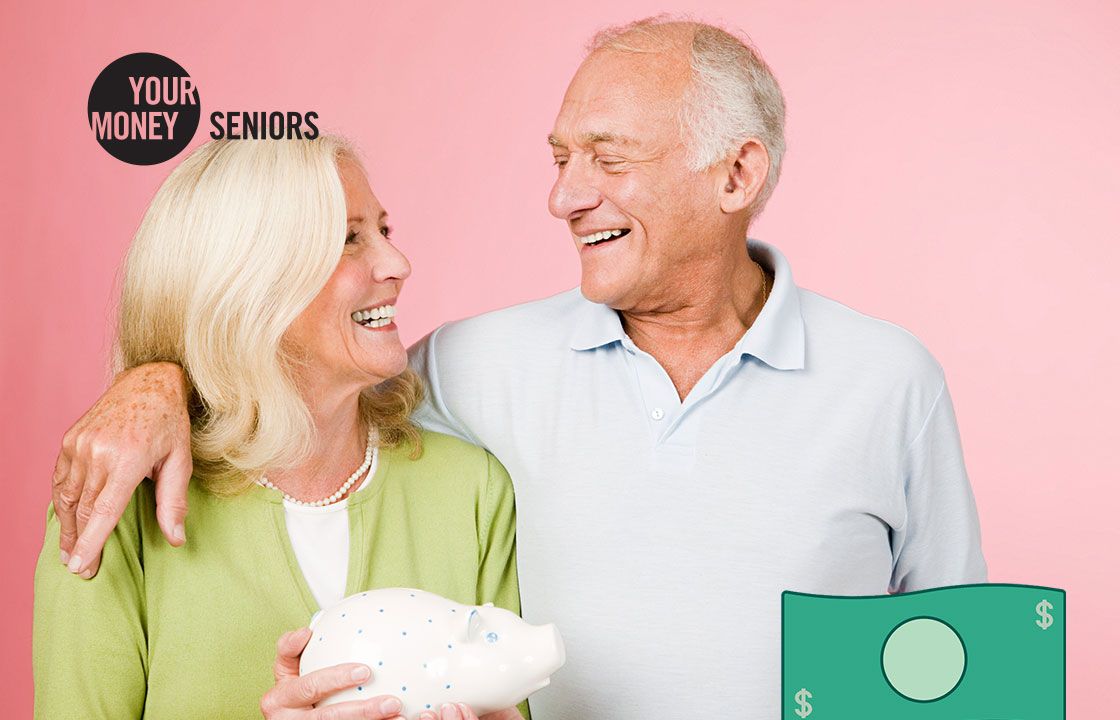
(190,632)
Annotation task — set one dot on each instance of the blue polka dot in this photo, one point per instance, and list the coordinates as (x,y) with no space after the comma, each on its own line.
(449,647)
(429,707)
(364,594)
(492,637)
(412,595)
(448,687)
(381,610)
(343,614)
(380,663)
(452,609)
(425,664)
(359,631)
(429,619)
(403,632)
(359,687)
(403,687)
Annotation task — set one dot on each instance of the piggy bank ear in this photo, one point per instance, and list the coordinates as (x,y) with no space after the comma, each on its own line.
(478,631)
(474,626)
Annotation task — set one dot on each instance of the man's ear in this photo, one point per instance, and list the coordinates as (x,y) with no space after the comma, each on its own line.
(744,173)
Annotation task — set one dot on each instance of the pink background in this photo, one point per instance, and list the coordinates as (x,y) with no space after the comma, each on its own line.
(952,168)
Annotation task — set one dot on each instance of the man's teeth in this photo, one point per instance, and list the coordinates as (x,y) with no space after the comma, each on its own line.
(600,236)
(375,318)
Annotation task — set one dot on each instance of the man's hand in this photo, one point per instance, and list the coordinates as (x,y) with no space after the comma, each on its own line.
(139,428)
(294,697)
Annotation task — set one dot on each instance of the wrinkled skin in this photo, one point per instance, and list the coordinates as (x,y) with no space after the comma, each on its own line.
(138,429)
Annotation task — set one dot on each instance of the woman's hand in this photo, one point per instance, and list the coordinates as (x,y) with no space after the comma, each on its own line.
(294,697)
(462,711)
(139,428)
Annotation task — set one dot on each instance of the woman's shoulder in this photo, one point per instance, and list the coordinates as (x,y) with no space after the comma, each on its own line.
(450,459)
(441,449)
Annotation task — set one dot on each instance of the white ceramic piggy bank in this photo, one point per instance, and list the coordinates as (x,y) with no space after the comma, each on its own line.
(428,650)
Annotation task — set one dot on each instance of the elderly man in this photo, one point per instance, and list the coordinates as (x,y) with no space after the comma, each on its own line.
(689,433)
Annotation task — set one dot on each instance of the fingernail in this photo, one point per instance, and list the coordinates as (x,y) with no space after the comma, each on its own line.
(390,705)
(359,673)
(64,556)
(86,574)
(179,533)
(447,711)
(75,563)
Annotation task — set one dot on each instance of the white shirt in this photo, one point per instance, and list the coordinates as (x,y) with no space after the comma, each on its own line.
(320,538)
(820,455)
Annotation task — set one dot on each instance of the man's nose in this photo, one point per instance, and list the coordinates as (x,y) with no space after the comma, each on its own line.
(574,191)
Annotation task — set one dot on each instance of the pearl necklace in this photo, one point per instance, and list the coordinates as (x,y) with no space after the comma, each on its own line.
(338,493)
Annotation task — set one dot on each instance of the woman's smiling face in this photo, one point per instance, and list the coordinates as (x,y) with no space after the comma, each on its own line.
(347,336)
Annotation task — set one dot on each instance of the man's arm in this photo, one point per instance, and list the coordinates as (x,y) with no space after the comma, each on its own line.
(139,428)
(940,543)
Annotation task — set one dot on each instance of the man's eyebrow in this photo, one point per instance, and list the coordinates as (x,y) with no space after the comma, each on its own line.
(594,137)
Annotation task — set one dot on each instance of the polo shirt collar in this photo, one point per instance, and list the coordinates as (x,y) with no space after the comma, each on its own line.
(777,337)
(595,325)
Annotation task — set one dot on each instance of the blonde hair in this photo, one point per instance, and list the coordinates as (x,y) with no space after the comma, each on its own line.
(732,94)
(237,241)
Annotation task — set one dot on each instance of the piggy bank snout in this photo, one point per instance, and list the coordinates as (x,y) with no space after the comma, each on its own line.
(553,648)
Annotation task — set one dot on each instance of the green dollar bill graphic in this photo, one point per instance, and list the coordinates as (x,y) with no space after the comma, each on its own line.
(969,652)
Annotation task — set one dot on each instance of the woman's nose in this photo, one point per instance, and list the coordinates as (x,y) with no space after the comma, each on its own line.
(390,263)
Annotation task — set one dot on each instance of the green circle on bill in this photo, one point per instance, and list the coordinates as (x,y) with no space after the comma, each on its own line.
(923,659)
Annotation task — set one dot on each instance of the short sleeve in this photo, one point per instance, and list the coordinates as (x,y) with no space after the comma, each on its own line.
(89,654)
(939,544)
(433,413)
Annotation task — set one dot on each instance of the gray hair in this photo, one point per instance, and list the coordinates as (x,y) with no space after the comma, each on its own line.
(732,95)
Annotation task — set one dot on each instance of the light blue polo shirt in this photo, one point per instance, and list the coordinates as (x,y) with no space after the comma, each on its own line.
(820,455)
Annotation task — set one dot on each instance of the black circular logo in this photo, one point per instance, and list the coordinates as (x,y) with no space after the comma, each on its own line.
(143,108)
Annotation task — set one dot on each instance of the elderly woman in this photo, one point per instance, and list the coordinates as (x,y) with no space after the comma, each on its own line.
(266,270)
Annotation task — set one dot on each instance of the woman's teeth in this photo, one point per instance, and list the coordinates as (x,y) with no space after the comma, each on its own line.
(375,318)
(603,235)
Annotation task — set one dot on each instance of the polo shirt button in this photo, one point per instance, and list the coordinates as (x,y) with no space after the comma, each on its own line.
(657,413)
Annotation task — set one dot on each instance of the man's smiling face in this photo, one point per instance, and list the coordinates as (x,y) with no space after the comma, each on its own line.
(644,224)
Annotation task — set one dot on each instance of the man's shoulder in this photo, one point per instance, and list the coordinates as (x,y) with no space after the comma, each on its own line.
(836,333)
(520,333)
(545,317)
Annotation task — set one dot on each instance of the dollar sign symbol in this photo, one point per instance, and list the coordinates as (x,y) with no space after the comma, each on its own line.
(1047,619)
(805,708)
